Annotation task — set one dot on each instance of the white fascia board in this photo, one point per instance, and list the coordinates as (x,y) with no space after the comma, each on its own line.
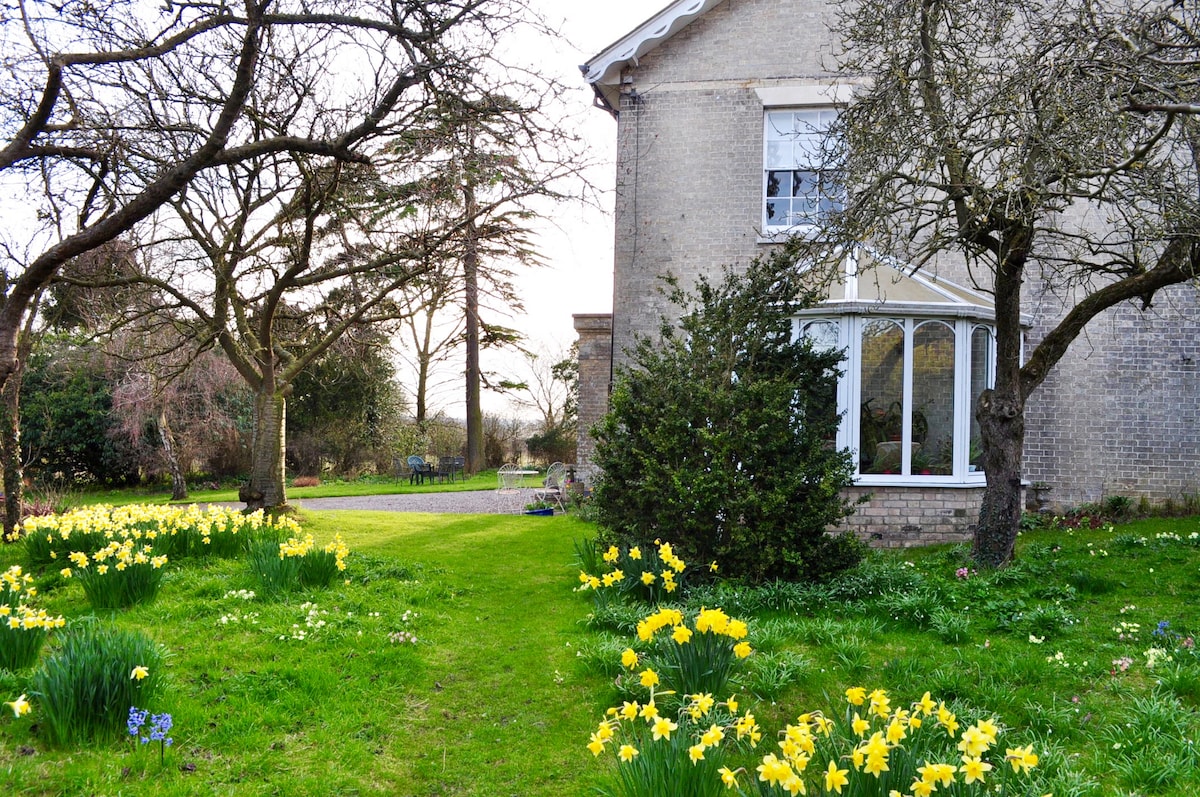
(605,68)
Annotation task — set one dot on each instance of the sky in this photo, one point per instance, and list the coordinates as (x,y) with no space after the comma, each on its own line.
(578,245)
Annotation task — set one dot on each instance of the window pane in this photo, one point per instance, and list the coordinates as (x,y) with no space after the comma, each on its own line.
(804,210)
(778,211)
(823,334)
(779,155)
(779,184)
(981,375)
(881,415)
(780,125)
(933,399)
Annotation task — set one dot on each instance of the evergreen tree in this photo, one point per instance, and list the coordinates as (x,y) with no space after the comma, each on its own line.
(719,437)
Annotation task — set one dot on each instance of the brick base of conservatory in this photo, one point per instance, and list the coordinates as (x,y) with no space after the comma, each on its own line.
(906,517)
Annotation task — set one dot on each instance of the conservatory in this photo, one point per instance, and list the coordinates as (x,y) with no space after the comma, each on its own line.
(918,352)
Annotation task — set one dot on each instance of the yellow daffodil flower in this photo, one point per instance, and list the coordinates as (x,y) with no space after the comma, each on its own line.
(662,728)
(627,752)
(836,778)
(139,672)
(1021,758)
(19,706)
(974,769)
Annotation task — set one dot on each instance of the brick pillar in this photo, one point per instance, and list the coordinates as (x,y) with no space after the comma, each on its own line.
(595,377)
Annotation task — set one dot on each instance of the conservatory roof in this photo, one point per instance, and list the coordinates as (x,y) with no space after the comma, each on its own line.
(871,283)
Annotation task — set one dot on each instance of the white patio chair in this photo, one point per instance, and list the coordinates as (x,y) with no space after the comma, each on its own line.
(509,491)
(553,486)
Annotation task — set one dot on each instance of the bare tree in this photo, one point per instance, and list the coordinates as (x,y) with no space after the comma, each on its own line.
(288,228)
(110,109)
(1040,143)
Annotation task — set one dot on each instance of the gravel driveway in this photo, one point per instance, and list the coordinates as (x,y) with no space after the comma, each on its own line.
(473,502)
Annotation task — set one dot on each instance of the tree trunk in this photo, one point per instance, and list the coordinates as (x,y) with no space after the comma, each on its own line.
(422,388)
(474,457)
(265,489)
(1001,414)
(1002,427)
(10,452)
(179,490)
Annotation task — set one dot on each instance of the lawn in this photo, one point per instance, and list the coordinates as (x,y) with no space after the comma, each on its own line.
(336,488)
(325,693)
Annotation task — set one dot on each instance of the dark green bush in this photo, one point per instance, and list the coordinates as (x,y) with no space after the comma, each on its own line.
(719,435)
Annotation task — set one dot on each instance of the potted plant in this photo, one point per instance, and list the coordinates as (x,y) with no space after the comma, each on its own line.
(539,508)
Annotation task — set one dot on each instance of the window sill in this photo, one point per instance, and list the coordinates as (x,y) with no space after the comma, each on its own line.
(781,235)
(973,480)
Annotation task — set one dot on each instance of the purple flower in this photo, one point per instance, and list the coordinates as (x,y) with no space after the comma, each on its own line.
(137,717)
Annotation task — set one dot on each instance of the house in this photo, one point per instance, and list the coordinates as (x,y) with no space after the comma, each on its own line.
(708,96)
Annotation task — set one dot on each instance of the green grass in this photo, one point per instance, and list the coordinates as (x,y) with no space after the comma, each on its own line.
(383,485)
(509,675)
(468,709)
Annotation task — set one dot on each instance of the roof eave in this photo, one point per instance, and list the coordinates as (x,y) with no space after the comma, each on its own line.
(603,71)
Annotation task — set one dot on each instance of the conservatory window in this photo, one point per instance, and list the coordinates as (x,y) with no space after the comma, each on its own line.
(907,394)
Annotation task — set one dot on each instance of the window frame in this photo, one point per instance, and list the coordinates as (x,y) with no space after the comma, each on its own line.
(772,227)
(849,393)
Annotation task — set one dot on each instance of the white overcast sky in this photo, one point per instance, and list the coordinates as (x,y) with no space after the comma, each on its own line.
(578,247)
(579,277)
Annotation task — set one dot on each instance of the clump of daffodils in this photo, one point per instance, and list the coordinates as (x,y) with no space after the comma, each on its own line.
(685,750)
(119,575)
(911,751)
(877,750)
(172,530)
(650,576)
(297,562)
(23,628)
(699,652)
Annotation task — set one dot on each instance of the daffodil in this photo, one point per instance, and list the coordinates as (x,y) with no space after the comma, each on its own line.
(856,695)
(859,725)
(974,769)
(627,752)
(728,777)
(649,678)
(713,736)
(629,658)
(19,706)
(139,673)
(1021,758)
(836,778)
(662,727)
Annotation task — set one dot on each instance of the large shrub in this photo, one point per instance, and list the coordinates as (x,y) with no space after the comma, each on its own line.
(720,433)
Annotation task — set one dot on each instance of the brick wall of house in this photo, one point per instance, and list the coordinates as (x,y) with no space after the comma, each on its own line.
(1118,415)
